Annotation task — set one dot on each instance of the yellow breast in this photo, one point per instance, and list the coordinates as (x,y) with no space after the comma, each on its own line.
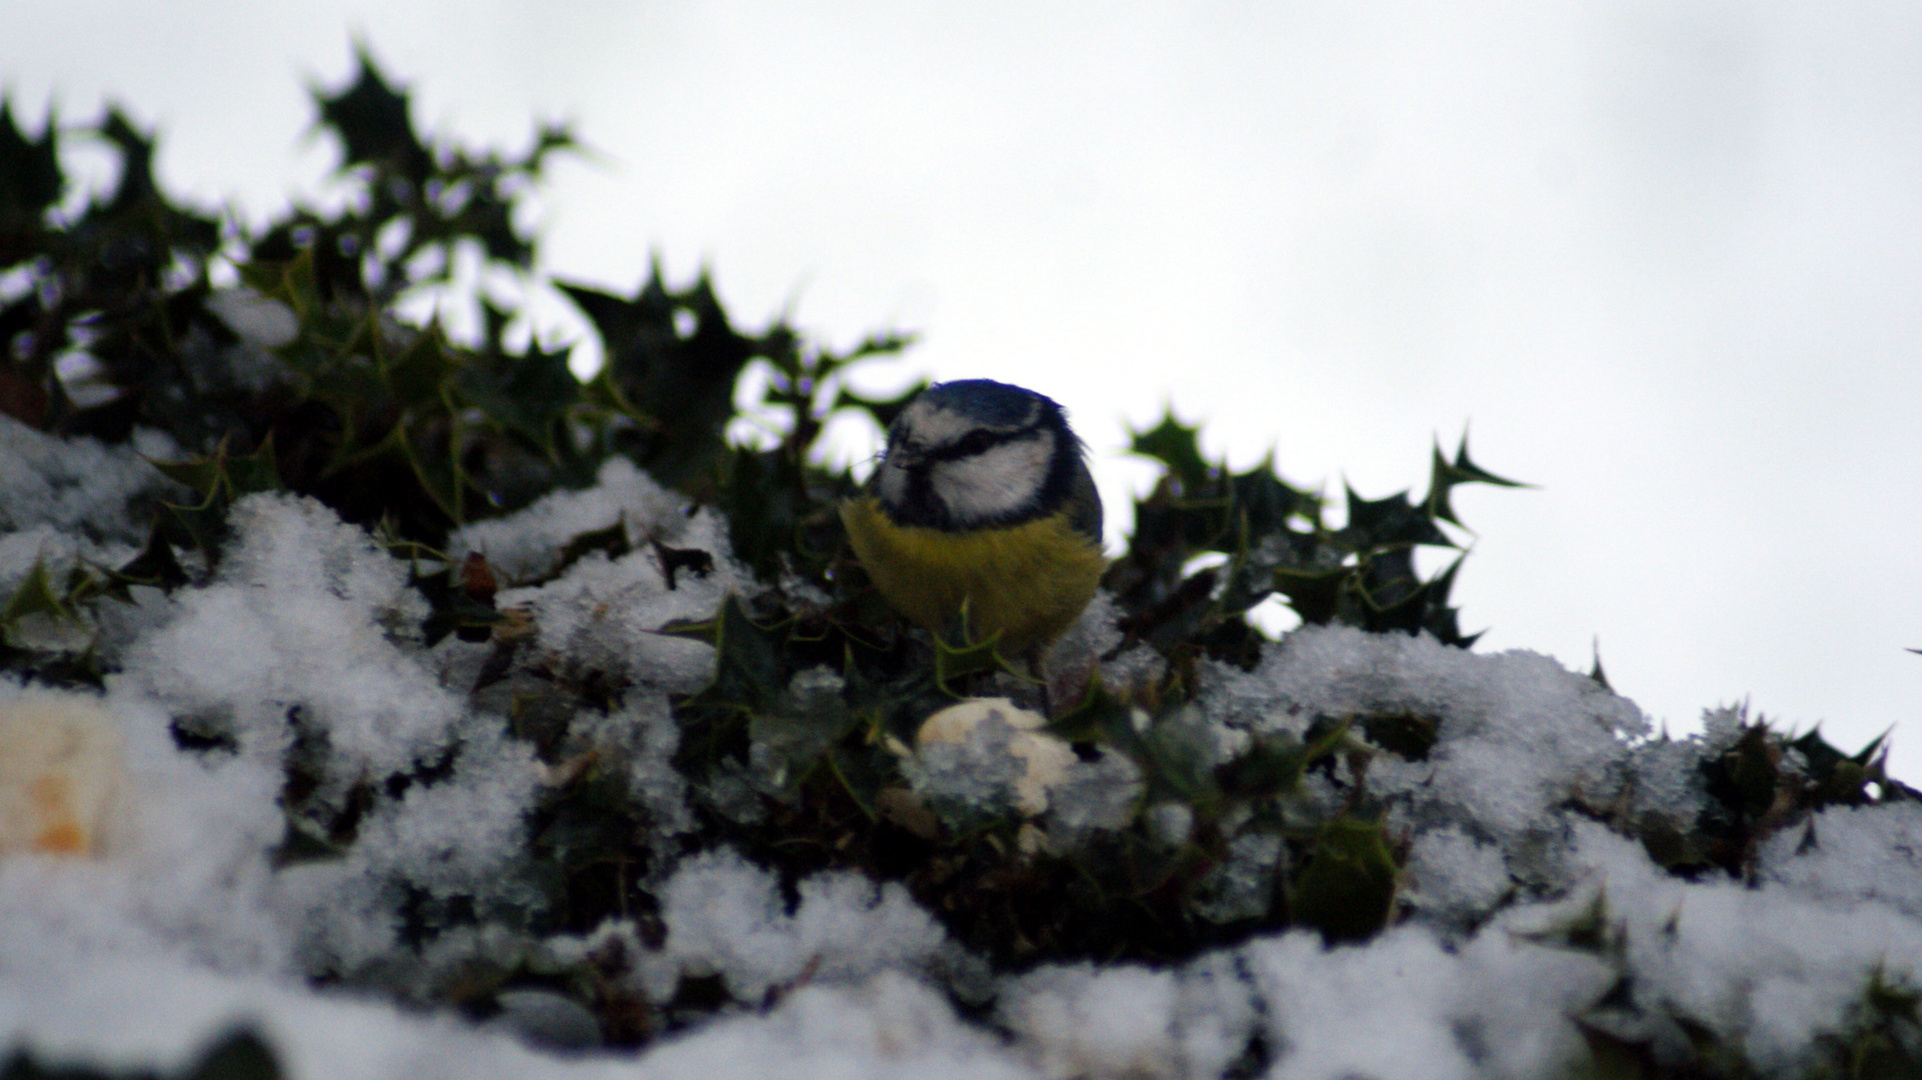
(1027,582)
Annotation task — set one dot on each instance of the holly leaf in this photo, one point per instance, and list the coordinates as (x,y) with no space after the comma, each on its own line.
(35,595)
(780,513)
(1444,475)
(1265,503)
(611,541)
(30,182)
(136,185)
(238,1055)
(219,479)
(371,119)
(155,565)
(1407,735)
(672,358)
(1178,615)
(303,261)
(956,660)
(1347,888)
(415,375)
(431,446)
(1274,766)
(1098,715)
(526,394)
(1389,522)
(750,675)
(1315,595)
(1177,446)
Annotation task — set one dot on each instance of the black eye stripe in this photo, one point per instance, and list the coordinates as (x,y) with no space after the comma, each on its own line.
(978,441)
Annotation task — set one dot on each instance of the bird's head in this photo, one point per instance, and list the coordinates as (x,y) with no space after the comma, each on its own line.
(976,454)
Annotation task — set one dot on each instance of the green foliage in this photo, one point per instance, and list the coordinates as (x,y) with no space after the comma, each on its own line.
(1275,542)
(123,279)
(30,182)
(1347,889)
(799,752)
(217,479)
(1765,782)
(673,361)
(239,1055)
(308,381)
(385,422)
(1885,1039)
(1881,1040)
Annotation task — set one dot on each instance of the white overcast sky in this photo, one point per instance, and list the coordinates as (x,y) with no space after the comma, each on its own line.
(1664,258)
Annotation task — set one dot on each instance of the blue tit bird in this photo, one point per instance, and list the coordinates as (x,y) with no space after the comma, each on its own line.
(982,497)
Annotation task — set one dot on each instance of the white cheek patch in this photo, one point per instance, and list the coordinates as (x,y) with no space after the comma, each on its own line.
(1003,480)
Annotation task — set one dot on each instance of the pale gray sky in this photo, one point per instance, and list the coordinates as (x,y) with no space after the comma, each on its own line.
(1666,257)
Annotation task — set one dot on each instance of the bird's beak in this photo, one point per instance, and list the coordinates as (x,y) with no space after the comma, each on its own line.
(906,460)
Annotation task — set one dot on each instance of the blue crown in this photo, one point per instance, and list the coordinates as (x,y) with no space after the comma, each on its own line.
(992,402)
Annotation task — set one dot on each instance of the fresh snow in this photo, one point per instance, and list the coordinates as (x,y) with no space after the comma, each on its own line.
(305,640)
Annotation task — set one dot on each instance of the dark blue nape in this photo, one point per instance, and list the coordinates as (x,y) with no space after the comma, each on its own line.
(992,402)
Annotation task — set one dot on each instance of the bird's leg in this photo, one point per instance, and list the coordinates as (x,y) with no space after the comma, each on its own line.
(1065,675)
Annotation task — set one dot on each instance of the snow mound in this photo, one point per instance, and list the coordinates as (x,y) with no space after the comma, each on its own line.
(63,500)
(305,791)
